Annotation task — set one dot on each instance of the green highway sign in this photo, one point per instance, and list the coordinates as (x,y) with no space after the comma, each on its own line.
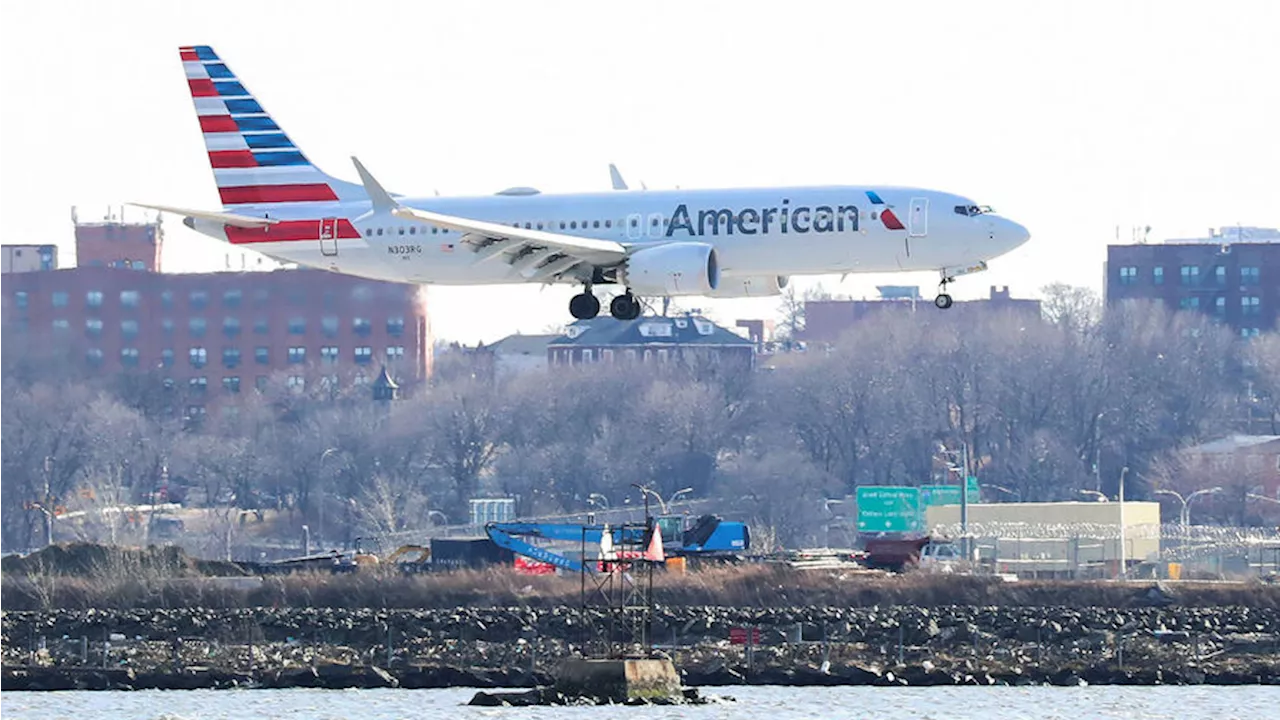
(931,495)
(889,509)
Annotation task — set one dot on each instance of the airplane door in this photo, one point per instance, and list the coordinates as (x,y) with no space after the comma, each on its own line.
(329,237)
(918,220)
(634,229)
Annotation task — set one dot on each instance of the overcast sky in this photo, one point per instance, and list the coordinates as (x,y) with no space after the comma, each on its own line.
(1070,117)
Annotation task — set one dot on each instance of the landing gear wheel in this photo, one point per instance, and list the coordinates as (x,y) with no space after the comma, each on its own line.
(625,307)
(584,306)
(943,301)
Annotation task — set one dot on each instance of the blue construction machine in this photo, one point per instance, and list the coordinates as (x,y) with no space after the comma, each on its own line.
(706,537)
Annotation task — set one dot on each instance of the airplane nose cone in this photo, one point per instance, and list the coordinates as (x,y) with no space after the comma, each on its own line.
(1012,234)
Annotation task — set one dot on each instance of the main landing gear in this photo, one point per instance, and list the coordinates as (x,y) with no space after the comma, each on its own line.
(585,306)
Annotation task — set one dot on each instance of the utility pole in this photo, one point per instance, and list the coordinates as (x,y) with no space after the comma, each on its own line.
(1123,551)
(964,502)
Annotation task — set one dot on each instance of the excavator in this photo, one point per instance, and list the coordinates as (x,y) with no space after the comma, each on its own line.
(705,537)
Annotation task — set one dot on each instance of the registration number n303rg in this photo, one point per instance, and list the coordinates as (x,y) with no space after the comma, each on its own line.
(404,249)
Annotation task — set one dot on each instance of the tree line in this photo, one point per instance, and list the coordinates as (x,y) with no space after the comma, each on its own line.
(1046,407)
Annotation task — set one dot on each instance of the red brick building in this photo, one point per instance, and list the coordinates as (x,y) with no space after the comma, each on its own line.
(223,332)
(117,244)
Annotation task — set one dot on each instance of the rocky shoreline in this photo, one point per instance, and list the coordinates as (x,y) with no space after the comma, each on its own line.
(519,647)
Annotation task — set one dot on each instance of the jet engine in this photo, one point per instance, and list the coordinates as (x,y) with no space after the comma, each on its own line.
(750,286)
(683,268)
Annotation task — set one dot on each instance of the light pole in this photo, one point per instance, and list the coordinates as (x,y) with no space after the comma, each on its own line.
(647,492)
(1097,496)
(47,500)
(1097,450)
(1123,550)
(597,499)
(434,513)
(676,495)
(319,477)
(1184,515)
(1004,490)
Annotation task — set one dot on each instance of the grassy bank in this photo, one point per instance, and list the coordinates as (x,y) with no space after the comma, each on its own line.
(163,579)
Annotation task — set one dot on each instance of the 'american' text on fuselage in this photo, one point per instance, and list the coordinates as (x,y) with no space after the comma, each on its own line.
(750,221)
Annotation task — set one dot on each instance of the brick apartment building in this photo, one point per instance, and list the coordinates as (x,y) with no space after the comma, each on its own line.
(1233,275)
(222,332)
(826,320)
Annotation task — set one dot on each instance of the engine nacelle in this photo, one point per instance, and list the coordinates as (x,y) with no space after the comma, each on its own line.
(683,268)
(750,286)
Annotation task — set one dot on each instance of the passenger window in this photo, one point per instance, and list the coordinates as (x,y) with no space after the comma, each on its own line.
(608,223)
(413,230)
(874,214)
(573,225)
(528,226)
(635,222)
(539,226)
(595,223)
(435,231)
(379,231)
(561,224)
(401,230)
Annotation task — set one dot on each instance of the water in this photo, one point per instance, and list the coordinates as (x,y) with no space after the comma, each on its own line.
(754,703)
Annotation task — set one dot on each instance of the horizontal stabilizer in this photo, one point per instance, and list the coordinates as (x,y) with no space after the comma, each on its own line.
(232,219)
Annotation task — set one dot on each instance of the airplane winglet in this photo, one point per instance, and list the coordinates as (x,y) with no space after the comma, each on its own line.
(380,198)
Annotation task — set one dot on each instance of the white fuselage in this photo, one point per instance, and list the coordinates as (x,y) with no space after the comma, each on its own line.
(755,232)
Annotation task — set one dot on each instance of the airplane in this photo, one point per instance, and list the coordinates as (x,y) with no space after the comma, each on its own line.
(742,242)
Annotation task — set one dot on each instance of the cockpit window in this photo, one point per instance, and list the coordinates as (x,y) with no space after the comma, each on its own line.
(971,210)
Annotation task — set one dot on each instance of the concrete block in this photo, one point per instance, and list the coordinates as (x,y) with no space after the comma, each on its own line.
(620,681)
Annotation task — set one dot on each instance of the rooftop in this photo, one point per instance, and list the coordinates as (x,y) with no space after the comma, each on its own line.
(686,330)
(1231,444)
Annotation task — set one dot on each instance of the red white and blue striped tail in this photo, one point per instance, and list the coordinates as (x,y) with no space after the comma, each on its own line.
(254,162)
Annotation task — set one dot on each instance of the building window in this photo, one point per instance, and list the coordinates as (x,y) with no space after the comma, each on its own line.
(329,325)
(1249,275)
(166,326)
(231,384)
(199,356)
(166,299)
(329,353)
(364,354)
(129,357)
(297,326)
(197,326)
(395,352)
(361,326)
(297,383)
(230,357)
(1220,275)
(92,327)
(129,298)
(606,356)
(588,355)
(59,299)
(198,299)
(198,384)
(1189,303)
(129,328)
(93,298)
(360,379)
(1220,305)
(94,356)
(1250,305)
(1128,275)
(61,324)
(395,325)
(260,326)
(362,293)
(195,412)
(1190,275)
(1157,275)
(166,357)
(20,299)
(1249,332)
(261,355)
(231,326)
(297,355)
(231,298)
(260,383)
(330,382)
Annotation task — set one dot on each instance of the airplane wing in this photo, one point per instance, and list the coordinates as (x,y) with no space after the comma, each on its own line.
(536,255)
(232,219)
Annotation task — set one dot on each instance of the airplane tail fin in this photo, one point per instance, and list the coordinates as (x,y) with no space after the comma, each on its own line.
(254,162)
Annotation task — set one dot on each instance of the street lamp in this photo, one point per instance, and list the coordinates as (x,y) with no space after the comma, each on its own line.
(598,500)
(1263,498)
(1005,490)
(676,495)
(647,492)
(1097,496)
(1184,515)
(443,517)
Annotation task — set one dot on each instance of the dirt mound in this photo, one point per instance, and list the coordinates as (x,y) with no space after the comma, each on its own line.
(92,560)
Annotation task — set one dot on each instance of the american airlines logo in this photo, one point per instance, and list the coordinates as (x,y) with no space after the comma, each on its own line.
(751,221)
